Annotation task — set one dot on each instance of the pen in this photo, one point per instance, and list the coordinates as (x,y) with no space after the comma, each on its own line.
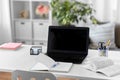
(101,45)
(54,65)
(105,51)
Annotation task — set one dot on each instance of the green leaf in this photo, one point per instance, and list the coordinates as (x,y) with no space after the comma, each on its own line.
(68,12)
(84,20)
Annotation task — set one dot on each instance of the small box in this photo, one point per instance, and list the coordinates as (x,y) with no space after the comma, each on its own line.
(35,50)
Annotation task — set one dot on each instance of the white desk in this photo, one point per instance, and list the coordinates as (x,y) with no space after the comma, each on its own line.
(22,60)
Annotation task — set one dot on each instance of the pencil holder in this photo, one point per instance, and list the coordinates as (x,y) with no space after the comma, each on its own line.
(103,52)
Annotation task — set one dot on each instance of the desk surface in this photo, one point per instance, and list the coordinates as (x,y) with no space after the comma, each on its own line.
(22,60)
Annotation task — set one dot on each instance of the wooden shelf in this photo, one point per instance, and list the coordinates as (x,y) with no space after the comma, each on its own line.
(5,76)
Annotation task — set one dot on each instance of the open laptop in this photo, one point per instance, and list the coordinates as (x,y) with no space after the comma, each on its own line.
(68,44)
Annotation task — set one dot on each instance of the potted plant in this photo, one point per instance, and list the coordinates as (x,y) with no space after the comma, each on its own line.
(68,12)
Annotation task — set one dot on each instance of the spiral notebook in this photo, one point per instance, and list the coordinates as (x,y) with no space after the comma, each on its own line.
(49,64)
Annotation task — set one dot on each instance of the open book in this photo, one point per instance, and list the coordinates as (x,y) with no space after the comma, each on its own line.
(103,65)
(48,63)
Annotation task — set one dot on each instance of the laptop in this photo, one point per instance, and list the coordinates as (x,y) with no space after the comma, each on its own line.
(68,43)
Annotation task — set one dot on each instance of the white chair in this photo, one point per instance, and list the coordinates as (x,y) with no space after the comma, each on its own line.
(27,75)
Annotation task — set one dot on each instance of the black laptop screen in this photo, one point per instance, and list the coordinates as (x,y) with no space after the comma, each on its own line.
(68,39)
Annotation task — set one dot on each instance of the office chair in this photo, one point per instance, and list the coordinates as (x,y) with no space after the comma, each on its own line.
(27,75)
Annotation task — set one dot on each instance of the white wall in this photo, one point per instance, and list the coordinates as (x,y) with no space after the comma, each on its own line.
(99,7)
(5,27)
(118,14)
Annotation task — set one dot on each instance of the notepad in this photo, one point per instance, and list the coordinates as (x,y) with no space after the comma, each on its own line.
(61,67)
(10,45)
(51,65)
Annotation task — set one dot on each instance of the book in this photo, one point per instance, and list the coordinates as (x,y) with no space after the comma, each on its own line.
(10,45)
(49,64)
(103,65)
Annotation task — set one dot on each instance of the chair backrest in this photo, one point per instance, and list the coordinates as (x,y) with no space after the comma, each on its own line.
(27,75)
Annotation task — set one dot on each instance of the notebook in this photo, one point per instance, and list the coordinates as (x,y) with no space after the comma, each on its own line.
(50,65)
(60,67)
(10,45)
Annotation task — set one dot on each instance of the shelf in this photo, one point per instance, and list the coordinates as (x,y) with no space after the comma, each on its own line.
(28,42)
(40,10)
(28,22)
(40,28)
(20,0)
(42,0)
(17,19)
(38,20)
(21,9)
(40,42)
(23,30)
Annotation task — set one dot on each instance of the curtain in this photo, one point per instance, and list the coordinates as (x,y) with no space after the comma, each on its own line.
(0,23)
(107,10)
(5,26)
